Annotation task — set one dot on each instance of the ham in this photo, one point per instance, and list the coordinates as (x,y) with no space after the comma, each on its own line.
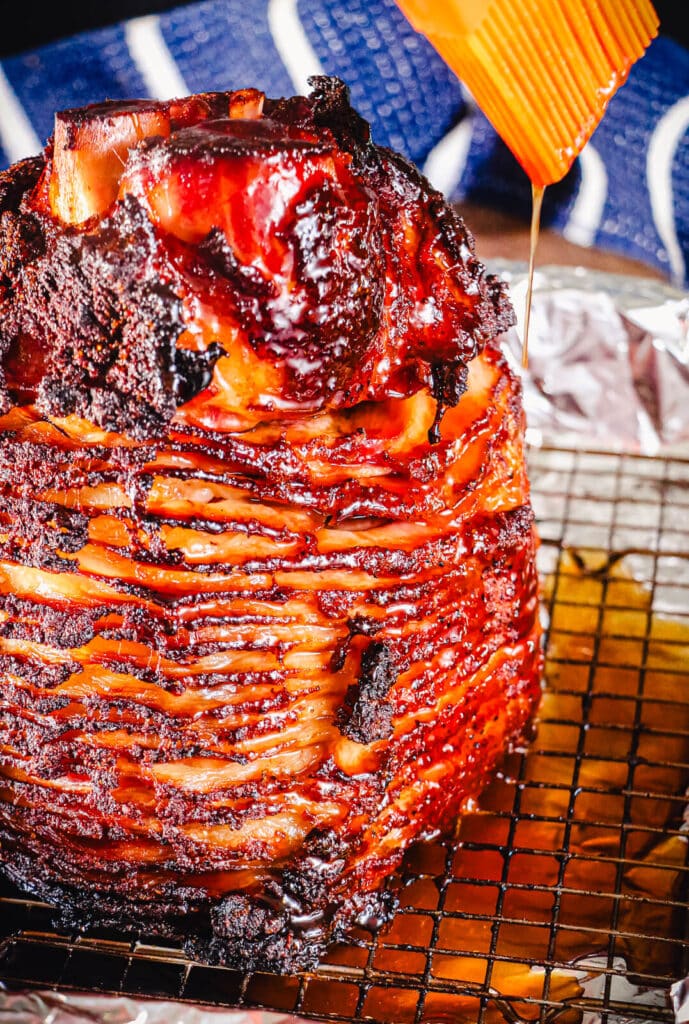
(268,597)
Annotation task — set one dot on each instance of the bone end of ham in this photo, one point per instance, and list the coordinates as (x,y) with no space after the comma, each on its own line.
(91,145)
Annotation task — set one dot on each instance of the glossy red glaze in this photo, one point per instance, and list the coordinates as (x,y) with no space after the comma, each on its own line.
(266,618)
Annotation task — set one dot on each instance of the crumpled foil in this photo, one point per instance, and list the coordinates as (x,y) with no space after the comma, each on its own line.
(608,369)
(608,360)
(59,1008)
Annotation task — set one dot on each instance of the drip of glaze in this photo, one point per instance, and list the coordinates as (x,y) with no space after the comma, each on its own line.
(537,193)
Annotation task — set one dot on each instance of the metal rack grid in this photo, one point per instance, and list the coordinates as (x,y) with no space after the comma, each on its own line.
(566,892)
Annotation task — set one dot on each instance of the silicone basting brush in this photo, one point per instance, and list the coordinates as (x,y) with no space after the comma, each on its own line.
(542,71)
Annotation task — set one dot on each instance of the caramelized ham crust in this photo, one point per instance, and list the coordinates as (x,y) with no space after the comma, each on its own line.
(268,603)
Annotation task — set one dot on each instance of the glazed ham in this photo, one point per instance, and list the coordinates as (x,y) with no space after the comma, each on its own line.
(268,600)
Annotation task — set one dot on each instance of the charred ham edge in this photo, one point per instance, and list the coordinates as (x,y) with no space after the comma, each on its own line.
(345,278)
(263,623)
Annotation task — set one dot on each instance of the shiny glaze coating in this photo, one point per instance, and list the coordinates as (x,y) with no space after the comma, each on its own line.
(317,269)
(246,660)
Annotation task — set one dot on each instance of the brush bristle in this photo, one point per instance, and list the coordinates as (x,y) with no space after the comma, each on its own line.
(541,71)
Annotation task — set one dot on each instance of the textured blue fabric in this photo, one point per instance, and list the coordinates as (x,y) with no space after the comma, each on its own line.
(220,45)
(73,72)
(398,82)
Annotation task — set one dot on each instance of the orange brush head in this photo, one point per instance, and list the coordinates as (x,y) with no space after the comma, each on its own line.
(542,71)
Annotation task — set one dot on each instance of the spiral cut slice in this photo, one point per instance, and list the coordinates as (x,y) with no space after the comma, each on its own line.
(268,602)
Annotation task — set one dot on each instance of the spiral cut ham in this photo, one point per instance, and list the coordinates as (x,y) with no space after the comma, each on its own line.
(268,602)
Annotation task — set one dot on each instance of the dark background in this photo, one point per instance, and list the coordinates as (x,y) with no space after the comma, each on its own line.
(23,28)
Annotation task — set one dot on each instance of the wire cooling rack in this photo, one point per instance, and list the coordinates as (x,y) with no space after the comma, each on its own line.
(565,893)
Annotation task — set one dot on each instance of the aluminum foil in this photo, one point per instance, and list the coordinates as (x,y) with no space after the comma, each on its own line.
(608,360)
(608,369)
(58,1008)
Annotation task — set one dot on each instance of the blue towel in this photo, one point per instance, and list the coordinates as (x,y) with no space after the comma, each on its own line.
(627,193)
